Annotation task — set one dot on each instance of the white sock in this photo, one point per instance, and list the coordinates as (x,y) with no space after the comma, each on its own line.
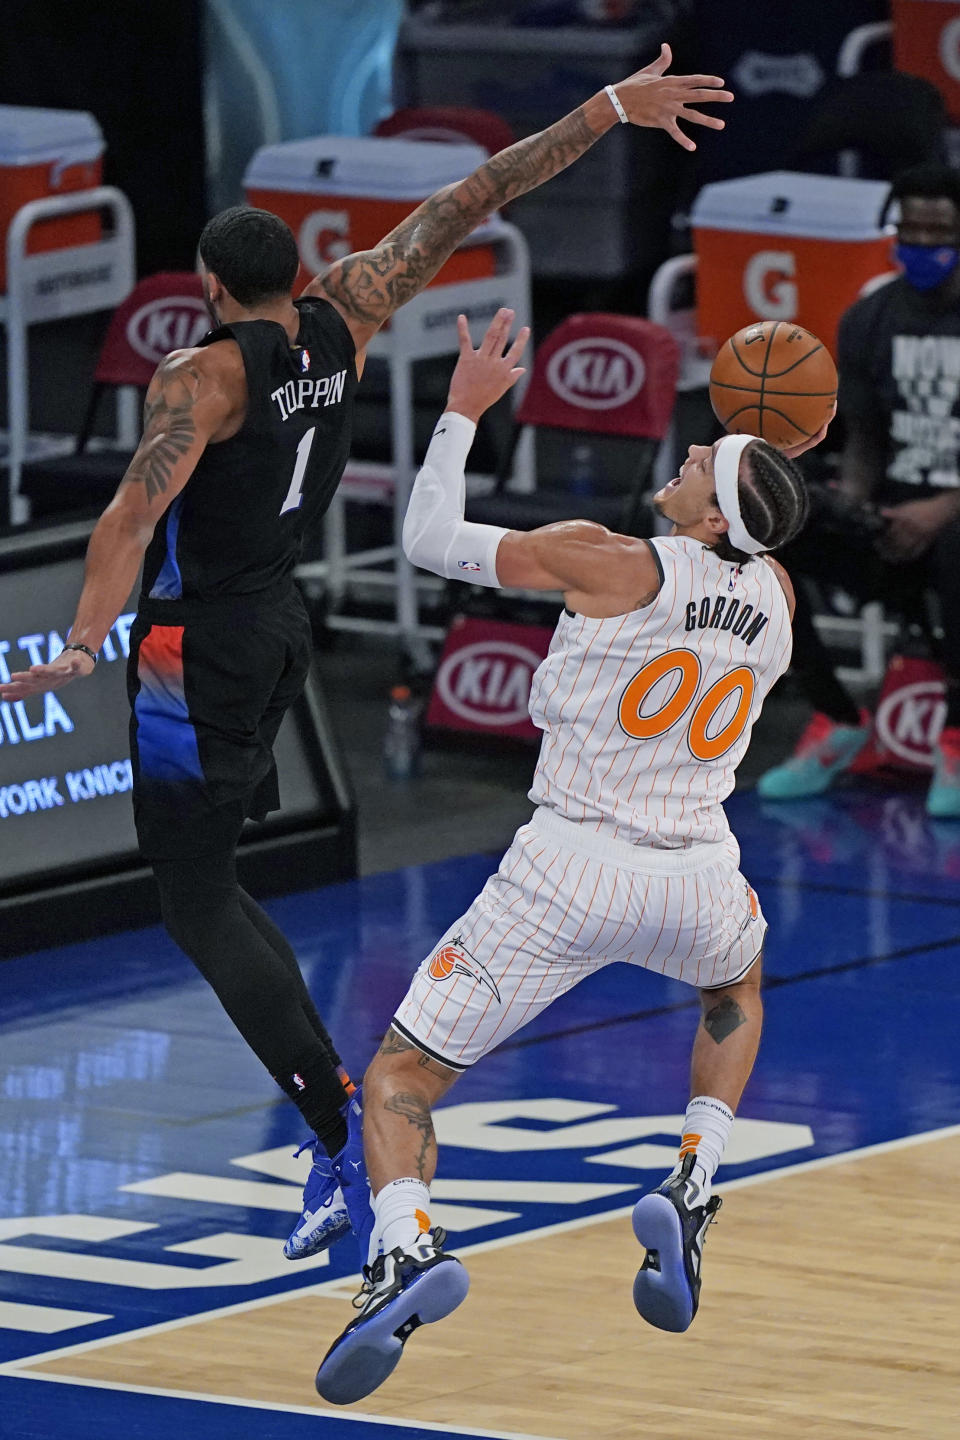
(402,1211)
(706,1130)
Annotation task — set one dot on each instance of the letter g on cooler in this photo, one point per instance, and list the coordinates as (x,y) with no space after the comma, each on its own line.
(324,237)
(768,284)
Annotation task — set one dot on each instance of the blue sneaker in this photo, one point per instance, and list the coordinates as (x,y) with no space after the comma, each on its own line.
(823,752)
(672,1227)
(350,1171)
(401,1291)
(324,1217)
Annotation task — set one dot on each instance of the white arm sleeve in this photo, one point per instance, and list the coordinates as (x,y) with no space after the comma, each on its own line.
(435,535)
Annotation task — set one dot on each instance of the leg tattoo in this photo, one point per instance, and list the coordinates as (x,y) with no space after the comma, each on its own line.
(723,1018)
(415,1109)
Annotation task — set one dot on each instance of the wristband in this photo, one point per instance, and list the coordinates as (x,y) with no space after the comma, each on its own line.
(615,102)
(84,649)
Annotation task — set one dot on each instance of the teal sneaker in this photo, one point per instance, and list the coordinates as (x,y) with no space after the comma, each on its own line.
(943,797)
(823,752)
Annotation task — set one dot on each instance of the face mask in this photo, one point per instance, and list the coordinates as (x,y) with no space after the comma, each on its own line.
(927,266)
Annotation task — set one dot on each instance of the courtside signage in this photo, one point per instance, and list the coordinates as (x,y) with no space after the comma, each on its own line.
(596,373)
(483,681)
(910,719)
(170,323)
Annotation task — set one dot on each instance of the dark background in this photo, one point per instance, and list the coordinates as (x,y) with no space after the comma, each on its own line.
(138,67)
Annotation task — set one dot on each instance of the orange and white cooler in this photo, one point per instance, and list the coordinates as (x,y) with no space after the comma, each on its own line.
(42,153)
(786,246)
(926,42)
(340,194)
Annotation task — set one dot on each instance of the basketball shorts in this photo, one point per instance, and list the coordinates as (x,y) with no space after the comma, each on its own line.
(209,683)
(565,902)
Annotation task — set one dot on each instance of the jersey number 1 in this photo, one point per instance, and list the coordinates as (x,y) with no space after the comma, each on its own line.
(703,747)
(295,494)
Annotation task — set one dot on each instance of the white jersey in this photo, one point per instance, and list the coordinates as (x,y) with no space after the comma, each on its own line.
(646,716)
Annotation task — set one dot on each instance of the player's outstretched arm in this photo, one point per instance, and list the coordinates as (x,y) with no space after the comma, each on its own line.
(185,406)
(575,556)
(369,286)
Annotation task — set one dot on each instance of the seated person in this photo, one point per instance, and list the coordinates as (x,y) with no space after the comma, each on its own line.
(899,364)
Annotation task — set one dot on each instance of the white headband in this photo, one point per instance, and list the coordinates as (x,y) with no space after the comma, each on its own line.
(726,475)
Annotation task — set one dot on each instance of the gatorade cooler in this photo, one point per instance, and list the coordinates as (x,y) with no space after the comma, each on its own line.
(926,42)
(47,152)
(786,246)
(340,194)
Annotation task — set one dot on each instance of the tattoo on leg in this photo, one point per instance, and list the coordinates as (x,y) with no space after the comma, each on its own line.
(394,1044)
(723,1018)
(415,1109)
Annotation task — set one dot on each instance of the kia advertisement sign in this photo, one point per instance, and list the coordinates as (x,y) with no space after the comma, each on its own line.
(604,374)
(164,312)
(598,373)
(172,323)
(483,681)
(909,717)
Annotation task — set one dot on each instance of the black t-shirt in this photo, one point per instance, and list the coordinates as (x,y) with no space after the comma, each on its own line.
(899,363)
(237,526)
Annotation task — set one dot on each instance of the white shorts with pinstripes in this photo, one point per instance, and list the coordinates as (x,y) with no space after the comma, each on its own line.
(567,901)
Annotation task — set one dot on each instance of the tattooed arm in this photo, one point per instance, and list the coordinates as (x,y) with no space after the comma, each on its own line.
(368,287)
(193,398)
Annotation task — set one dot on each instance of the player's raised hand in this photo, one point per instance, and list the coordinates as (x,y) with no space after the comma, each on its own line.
(483,375)
(655,99)
(792,451)
(69,665)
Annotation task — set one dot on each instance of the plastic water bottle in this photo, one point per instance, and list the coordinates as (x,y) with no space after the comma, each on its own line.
(583,470)
(401,746)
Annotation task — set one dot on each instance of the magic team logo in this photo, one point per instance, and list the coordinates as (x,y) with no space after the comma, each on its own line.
(453,959)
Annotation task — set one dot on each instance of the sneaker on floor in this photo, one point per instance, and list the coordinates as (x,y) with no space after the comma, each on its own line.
(943,797)
(672,1227)
(324,1217)
(350,1171)
(401,1291)
(823,752)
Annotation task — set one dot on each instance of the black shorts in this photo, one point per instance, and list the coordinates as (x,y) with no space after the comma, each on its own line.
(209,683)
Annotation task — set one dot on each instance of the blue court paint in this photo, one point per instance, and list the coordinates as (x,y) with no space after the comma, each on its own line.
(118,1070)
(35,1410)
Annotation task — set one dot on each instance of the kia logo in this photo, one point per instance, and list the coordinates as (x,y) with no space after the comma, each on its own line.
(910,719)
(173,323)
(488,683)
(596,374)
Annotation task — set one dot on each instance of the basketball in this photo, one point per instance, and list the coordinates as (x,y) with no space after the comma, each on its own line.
(773,379)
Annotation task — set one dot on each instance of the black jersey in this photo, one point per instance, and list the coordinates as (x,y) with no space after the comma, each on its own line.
(238,524)
(898,355)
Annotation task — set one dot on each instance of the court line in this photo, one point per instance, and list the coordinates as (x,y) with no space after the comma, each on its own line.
(354,1416)
(344,1285)
(770,982)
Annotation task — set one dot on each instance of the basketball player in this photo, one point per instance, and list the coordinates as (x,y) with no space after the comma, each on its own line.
(245,439)
(656,673)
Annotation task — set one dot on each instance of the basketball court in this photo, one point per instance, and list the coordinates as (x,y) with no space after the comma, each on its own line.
(149,1178)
